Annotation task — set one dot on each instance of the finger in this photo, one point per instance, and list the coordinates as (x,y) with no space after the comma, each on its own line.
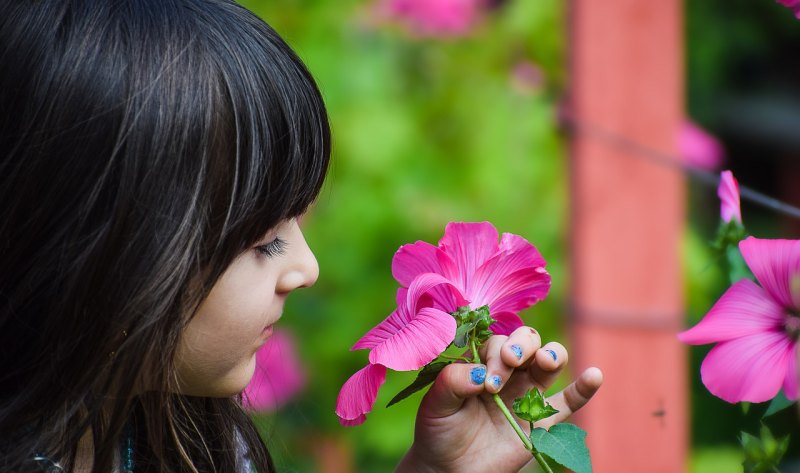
(548,363)
(573,397)
(520,346)
(454,384)
(497,372)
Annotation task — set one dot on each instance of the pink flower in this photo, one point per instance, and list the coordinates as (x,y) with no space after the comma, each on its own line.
(698,148)
(468,268)
(794,5)
(756,327)
(728,192)
(278,375)
(434,18)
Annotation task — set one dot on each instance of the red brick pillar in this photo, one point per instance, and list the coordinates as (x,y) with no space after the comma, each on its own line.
(626,78)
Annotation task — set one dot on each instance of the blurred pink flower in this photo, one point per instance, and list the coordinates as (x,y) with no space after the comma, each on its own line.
(278,376)
(698,148)
(434,18)
(756,327)
(794,5)
(527,77)
(468,268)
(728,193)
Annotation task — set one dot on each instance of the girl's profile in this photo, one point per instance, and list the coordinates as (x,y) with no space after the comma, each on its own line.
(154,158)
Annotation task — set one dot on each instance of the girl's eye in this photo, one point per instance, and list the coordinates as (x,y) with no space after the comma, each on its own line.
(276,247)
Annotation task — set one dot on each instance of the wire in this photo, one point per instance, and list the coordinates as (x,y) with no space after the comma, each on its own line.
(707,178)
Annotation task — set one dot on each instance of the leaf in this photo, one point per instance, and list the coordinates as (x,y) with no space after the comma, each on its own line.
(779,403)
(532,406)
(462,335)
(425,377)
(763,454)
(565,444)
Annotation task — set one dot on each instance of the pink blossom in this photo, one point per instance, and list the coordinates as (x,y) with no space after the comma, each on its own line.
(698,148)
(728,192)
(794,5)
(434,18)
(508,277)
(278,376)
(468,268)
(527,77)
(755,327)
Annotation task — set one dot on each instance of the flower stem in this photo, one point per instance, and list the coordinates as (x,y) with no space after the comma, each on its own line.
(526,441)
(456,358)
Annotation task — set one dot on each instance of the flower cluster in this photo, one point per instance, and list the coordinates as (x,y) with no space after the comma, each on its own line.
(755,326)
(468,268)
(434,18)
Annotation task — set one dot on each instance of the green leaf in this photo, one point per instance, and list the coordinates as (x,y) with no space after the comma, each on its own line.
(565,444)
(763,454)
(462,335)
(532,406)
(425,377)
(779,403)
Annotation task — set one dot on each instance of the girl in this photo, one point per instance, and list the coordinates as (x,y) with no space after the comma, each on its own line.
(154,157)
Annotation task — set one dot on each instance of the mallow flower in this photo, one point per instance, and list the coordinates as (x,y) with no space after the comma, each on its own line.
(469,268)
(756,327)
(728,193)
(279,375)
(699,148)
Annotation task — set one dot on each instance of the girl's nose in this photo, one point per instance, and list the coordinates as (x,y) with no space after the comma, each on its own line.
(302,268)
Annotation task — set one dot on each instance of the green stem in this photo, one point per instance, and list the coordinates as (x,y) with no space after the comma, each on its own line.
(526,441)
(456,358)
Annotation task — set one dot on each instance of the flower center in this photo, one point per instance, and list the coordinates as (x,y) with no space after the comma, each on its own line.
(792,326)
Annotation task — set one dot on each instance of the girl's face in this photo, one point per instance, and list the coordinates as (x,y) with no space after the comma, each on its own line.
(216,352)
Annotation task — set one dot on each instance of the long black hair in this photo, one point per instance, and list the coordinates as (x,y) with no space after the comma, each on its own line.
(144,144)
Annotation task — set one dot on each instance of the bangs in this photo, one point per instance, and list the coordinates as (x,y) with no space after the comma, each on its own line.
(271,132)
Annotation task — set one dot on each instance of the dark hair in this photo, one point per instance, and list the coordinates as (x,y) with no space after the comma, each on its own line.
(144,144)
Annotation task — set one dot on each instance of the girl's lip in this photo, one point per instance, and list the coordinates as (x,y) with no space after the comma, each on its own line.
(267,331)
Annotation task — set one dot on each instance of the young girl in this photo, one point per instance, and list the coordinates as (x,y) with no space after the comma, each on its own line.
(154,157)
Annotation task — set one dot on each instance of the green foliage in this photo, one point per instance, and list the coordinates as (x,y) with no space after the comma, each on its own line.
(426,376)
(472,321)
(763,454)
(778,403)
(565,444)
(532,406)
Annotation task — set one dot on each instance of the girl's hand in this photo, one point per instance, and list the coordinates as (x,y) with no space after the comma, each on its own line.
(460,429)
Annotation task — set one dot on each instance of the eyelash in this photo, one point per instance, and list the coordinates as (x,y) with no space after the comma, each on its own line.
(276,247)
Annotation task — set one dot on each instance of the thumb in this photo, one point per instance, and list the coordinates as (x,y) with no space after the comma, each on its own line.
(454,384)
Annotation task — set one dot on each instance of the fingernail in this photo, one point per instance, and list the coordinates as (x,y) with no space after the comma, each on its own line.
(496,381)
(478,374)
(517,351)
(553,354)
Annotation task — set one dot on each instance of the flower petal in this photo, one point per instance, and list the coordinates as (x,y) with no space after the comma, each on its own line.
(728,193)
(520,251)
(750,368)
(775,263)
(358,394)
(744,309)
(278,375)
(510,291)
(469,245)
(427,283)
(418,343)
(505,323)
(389,326)
(414,259)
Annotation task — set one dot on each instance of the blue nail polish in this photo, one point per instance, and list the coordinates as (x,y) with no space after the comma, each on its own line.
(517,351)
(553,354)
(478,374)
(496,381)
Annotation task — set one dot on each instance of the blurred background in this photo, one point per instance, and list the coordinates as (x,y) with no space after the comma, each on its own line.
(455,110)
